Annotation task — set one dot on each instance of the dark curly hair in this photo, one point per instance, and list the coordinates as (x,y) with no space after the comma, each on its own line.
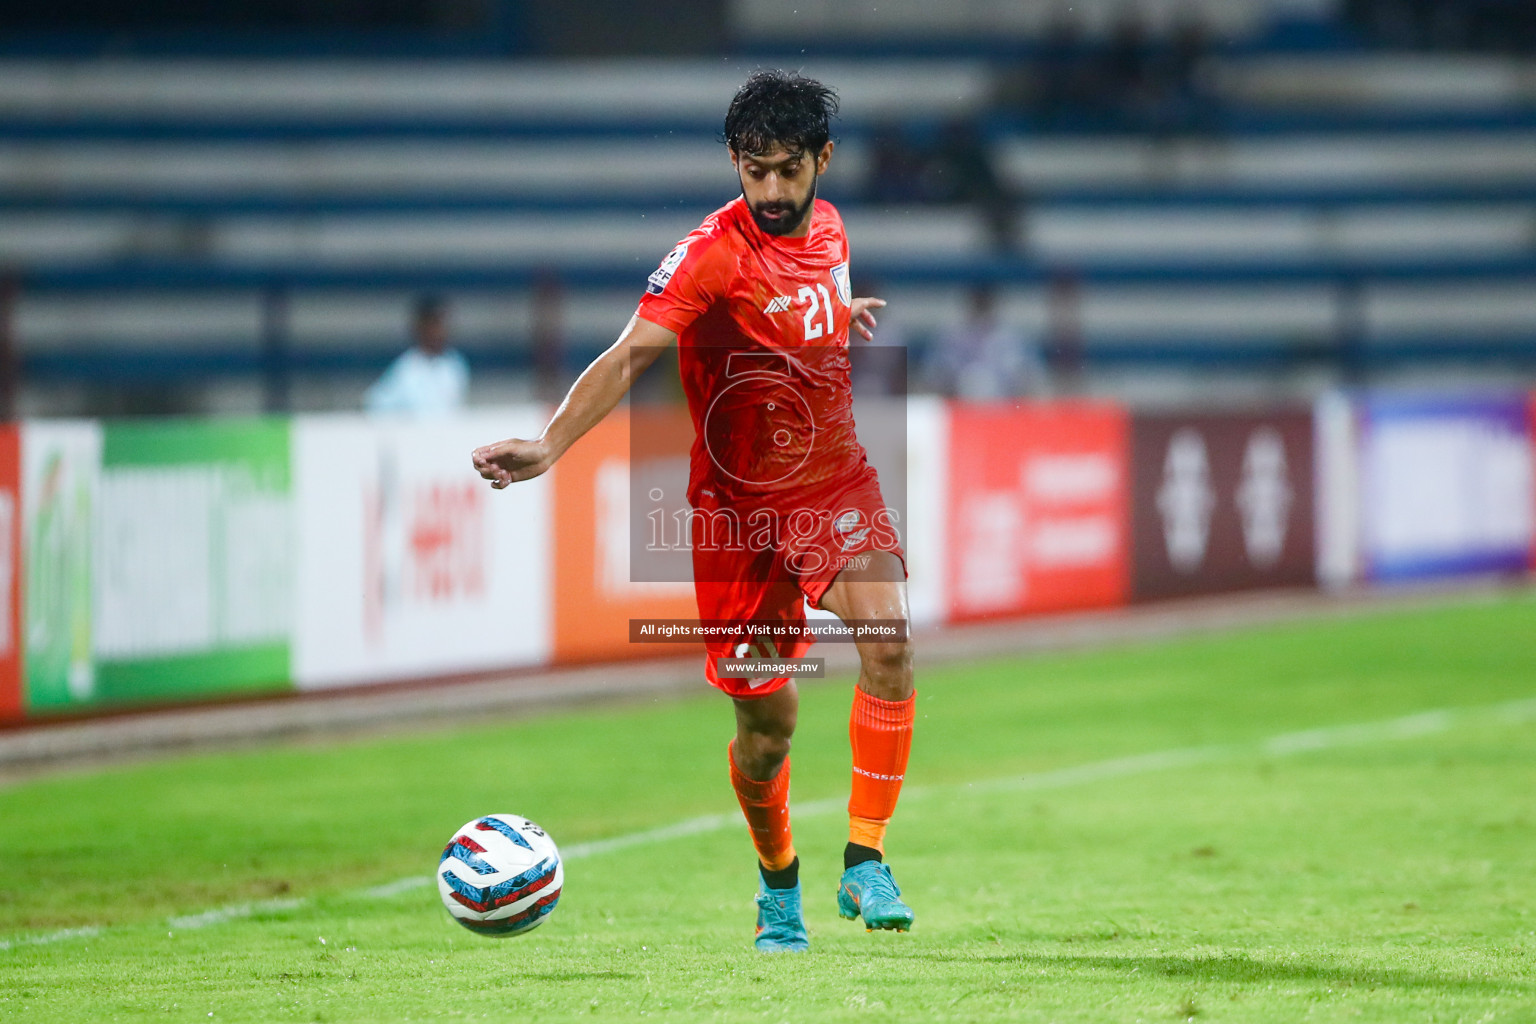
(781,108)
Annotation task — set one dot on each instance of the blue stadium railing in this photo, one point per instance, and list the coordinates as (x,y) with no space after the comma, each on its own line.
(1243,197)
(1224,121)
(507,35)
(277,355)
(240,356)
(139,274)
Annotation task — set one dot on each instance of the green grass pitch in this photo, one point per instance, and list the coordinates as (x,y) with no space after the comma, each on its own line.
(1329,820)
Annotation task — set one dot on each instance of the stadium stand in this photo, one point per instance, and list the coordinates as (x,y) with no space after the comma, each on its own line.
(1333,213)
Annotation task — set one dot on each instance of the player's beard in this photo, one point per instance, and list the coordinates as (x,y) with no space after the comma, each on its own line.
(787,224)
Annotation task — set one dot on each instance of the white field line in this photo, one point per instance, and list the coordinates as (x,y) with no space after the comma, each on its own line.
(400,885)
(221,914)
(1283,745)
(62,935)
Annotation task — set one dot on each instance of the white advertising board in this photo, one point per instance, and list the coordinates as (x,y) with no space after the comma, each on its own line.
(409,564)
(1337,479)
(927,507)
(1447,486)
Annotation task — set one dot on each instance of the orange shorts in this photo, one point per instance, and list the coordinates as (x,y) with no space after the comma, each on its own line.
(764,565)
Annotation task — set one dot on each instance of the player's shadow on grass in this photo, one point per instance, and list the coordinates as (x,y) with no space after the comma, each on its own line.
(1243,970)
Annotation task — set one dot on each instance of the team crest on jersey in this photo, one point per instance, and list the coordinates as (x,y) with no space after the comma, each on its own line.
(844,289)
(657,282)
(848,526)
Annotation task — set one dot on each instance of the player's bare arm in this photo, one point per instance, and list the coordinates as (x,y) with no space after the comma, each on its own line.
(601,386)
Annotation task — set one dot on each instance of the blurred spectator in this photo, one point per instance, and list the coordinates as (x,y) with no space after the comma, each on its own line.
(983,357)
(895,166)
(1501,26)
(10,363)
(1066,77)
(1181,96)
(961,170)
(547,333)
(1128,82)
(1059,85)
(429,377)
(1064,330)
(1125,72)
(954,167)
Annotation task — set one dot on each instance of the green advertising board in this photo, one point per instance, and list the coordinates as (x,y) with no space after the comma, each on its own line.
(161,561)
(195,583)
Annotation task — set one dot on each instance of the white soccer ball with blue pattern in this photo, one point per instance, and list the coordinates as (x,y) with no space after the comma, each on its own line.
(500,875)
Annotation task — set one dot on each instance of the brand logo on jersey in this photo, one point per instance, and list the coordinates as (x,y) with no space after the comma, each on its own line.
(844,289)
(779,304)
(657,282)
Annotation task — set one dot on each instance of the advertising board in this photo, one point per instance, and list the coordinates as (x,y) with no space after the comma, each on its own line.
(1222,502)
(1446,486)
(10,573)
(1038,514)
(60,479)
(193,573)
(596,592)
(1336,452)
(409,564)
(927,509)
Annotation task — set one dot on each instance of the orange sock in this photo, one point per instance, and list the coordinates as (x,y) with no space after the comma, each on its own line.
(766,806)
(880,732)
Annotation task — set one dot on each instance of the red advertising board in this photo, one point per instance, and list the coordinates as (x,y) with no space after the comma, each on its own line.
(1222,502)
(1038,508)
(10,573)
(595,594)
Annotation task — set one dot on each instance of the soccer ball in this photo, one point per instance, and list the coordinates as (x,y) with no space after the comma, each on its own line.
(500,875)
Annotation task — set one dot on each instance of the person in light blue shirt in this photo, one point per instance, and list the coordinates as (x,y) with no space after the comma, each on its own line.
(429,378)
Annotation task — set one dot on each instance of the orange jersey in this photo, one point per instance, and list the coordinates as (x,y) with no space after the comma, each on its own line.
(762,324)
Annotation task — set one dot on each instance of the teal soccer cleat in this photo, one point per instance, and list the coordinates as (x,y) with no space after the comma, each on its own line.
(868,890)
(780,921)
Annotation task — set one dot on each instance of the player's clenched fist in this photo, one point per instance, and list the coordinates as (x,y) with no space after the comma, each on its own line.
(507,462)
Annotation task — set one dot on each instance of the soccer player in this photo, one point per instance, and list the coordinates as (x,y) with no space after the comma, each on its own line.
(787,509)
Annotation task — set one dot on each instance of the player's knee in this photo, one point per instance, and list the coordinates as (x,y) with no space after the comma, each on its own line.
(889,666)
(761,753)
(775,746)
